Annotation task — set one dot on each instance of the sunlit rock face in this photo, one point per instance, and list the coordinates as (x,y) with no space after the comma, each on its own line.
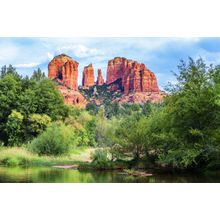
(100,80)
(128,81)
(134,76)
(88,79)
(64,69)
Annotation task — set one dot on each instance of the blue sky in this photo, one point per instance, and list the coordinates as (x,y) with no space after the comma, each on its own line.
(161,55)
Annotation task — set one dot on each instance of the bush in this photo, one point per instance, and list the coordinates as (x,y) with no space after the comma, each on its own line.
(84,126)
(100,159)
(57,139)
(14,127)
(11,161)
(38,123)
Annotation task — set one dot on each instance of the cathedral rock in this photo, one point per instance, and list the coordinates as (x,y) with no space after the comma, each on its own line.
(64,70)
(134,76)
(129,81)
(100,80)
(88,77)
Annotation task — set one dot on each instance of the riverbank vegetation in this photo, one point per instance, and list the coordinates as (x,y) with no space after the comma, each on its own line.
(181,133)
(21,156)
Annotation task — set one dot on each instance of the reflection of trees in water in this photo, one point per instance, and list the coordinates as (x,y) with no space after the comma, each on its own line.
(55,175)
(96,177)
(14,174)
(51,175)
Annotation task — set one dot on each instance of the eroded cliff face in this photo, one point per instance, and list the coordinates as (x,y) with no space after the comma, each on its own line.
(134,76)
(64,69)
(88,79)
(100,80)
(127,81)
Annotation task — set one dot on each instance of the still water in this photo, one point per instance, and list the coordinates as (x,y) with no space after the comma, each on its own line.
(56,175)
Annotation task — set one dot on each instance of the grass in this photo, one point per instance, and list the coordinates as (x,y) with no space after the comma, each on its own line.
(20,156)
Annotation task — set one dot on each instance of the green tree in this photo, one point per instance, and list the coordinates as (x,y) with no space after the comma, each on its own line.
(14,128)
(37,123)
(10,89)
(10,70)
(38,75)
(130,136)
(49,100)
(181,132)
(28,97)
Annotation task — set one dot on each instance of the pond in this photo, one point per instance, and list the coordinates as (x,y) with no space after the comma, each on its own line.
(56,175)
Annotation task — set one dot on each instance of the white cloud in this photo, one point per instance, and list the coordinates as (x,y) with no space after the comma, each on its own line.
(50,55)
(26,65)
(80,50)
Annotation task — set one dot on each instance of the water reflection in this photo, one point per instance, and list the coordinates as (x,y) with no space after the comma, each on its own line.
(56,175)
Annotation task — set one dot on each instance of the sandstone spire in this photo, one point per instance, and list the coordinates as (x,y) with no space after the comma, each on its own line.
(100,80)
(88,77)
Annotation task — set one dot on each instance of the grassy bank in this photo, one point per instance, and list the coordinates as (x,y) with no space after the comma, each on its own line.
(20,156)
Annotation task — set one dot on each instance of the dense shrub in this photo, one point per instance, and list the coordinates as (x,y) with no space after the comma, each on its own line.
(84,125)
(57,139)
(14,128)
(37,123)
(100,159)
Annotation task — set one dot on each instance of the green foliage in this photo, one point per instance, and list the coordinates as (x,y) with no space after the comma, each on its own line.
(100,93)
(182,132)
(84,125)
(14,127)
(57,139)
(130,135)
(38,75)
(21,156)
(100,159)
(37,95)
(49,100)
(15,156)
(10,70)
(37,123)
(92,108)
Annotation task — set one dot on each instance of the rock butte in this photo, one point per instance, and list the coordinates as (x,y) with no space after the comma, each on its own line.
(134,76)
(88,77)
(133,80)
(64,70)
(100,80)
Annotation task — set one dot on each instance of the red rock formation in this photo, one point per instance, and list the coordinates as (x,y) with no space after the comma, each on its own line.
(88,77)
(135,76)
(115,69)
(141,97)
(65,70)
(72,97)
(100,80)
